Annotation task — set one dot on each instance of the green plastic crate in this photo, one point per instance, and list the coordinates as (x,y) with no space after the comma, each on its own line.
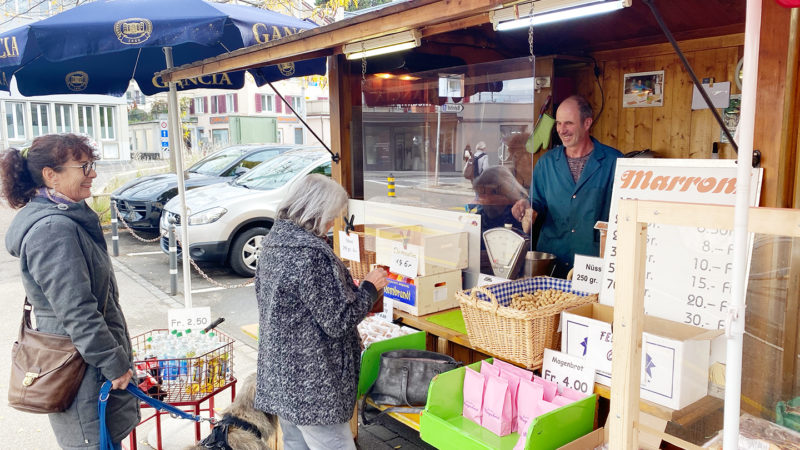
(443,426)
(786,418)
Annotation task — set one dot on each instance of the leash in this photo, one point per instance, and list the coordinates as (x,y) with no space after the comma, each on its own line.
(158,405)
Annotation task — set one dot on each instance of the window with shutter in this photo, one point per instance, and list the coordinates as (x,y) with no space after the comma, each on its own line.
(235,102)
(221,100)
(259,98)
(278,105)
(205,104)
(191,108)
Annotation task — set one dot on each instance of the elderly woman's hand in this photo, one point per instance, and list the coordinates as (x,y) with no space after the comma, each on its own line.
(122,381)
(377,277)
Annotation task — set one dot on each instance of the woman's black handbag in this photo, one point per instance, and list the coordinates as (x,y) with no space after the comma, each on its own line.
(404,377)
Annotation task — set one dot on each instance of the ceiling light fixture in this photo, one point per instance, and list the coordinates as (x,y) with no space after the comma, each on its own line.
(548,11)
(390,43)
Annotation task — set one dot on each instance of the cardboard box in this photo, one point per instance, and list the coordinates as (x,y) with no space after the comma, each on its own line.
(675,356)
(427,295)
(588,442)
(437,252)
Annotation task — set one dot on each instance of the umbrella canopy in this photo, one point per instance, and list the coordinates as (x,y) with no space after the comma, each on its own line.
(97,48)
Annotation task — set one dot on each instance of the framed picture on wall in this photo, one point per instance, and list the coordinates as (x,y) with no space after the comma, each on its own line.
(643,89)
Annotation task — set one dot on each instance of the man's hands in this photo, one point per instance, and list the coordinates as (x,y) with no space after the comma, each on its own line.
(518,210)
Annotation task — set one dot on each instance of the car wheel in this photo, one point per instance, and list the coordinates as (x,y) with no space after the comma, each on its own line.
(244,253)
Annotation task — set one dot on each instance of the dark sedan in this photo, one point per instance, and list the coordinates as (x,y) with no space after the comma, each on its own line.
(140,201)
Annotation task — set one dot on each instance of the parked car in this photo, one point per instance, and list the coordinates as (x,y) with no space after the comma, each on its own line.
(227,221)
(140,201)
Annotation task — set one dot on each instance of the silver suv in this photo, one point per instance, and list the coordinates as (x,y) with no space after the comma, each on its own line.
(227,221)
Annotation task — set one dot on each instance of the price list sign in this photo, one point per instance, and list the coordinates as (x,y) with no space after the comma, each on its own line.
(688,277)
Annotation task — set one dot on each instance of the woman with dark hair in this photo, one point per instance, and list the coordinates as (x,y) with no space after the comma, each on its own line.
(308,347)
(68,277)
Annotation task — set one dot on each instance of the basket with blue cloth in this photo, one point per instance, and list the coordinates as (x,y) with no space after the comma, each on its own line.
(517,320)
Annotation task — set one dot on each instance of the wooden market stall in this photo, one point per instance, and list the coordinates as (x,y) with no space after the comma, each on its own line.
(590,57)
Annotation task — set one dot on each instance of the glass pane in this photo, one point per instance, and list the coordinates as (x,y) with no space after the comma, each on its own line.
(215,163)
(110,122)
(275,172)
(45,121)
(67,111)
(10,122)
(298,135)
(19,109)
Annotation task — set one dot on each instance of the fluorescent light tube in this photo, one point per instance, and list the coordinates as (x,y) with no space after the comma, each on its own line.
(391,43)
(540,18)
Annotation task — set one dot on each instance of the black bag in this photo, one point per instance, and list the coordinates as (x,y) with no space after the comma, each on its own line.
(404,377)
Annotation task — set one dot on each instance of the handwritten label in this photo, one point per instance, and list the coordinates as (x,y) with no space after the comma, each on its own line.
(568,371)
(588,274)
(405,261)
(688,271)
(189,318)
(388,309)
(348,246)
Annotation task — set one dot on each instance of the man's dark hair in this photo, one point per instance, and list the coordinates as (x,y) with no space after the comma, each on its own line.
(583,106)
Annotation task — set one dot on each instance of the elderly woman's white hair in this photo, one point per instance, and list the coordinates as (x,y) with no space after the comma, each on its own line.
(313,203)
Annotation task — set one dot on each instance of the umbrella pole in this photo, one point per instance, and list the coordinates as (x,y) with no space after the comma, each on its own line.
(175,146)
(736,313)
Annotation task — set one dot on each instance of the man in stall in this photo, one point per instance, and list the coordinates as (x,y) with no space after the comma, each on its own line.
(570,188)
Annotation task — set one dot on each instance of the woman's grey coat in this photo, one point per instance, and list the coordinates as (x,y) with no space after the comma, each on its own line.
(308,348)
(69,280)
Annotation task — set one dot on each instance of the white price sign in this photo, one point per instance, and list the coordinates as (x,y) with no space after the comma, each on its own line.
(405,260)
(184,318)
(588,274)
(568,371)
(388,310)
(348,246)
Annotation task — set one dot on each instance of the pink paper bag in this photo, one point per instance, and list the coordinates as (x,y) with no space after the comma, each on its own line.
(473,395)
(513,386)
(496,415)
(488,369)
(518,371)
(529,395)
(560,400)
(546,407)
(550,388)
(572,394)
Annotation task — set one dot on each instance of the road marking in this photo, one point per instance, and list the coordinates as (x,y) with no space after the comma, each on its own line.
(144,253)
(211,289)
(385,183)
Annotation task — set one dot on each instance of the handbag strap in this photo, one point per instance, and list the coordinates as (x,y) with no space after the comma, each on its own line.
(158,405)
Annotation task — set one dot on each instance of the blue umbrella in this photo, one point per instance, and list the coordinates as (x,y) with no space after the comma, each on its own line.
(97,48)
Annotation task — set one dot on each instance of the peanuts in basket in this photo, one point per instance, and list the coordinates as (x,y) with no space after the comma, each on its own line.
(526,301)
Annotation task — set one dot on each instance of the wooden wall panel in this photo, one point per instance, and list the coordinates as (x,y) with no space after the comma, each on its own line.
(672,130)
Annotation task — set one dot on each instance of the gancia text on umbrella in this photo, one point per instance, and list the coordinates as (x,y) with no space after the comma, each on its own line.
(217,79)
(9,48)
(263,33)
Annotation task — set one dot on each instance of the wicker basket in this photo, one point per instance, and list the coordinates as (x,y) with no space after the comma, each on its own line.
(514,335)
(366,250)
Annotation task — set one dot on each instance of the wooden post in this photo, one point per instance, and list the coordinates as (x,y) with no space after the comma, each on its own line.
(627,327)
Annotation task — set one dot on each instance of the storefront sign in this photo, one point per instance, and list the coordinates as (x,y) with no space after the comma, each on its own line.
(189,318)
(568,371)
(688,275)
(588,274)
(405,259)
(348,246)
(219,119)
(400,292)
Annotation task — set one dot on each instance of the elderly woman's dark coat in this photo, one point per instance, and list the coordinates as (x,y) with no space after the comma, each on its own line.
(308,347)
(69,280)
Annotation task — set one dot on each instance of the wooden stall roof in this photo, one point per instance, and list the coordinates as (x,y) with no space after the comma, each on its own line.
(444,25)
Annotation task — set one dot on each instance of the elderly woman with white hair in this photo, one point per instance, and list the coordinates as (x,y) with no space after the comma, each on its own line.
(308,348)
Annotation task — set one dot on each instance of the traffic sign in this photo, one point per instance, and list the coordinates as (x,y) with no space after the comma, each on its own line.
(163,124)
(164,133)
(452,107)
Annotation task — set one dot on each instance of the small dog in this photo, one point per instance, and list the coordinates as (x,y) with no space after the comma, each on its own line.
(241,424)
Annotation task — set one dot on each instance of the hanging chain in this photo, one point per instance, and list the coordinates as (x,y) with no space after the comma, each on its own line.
(363,66)
(133,233)
(197,268)
(530,37)
(191,261)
